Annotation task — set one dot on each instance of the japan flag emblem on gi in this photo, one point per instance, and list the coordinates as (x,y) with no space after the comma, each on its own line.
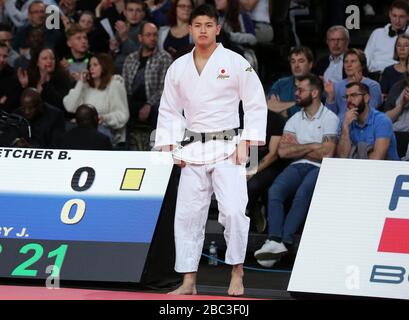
(223,74)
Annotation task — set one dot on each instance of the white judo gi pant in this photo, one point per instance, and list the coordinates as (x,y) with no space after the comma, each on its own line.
(197,184)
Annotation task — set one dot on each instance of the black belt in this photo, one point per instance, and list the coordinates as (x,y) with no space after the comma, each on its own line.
(191,136)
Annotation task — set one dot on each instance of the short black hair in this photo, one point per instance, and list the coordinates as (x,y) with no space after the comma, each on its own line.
(86,116)
(314,81)
(362,86)
(204,10)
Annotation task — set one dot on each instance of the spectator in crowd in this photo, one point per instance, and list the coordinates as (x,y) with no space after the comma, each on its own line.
(331,66)
(309,136)
(396,108)
(85,136)
(365,133)
(239,28)
(47,76)
(379,48)
(37,19)
(127,32)
(260,178)
(6,36)
(144,73)
(76,61)
(397,71)
(355,69)
(260,12)
(175,37)
(69,12)
(46,122)
(98,39)
(282,93)
(9,88)
(106,91)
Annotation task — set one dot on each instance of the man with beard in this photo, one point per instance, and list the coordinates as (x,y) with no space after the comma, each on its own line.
(364,132)
(309,136)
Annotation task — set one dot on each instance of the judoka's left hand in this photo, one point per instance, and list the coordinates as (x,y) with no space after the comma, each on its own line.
(241,154)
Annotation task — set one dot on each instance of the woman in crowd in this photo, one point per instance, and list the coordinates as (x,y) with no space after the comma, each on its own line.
(239,28)
(175,38)
(104,90)
(47,76)
(355,67)
(396,72)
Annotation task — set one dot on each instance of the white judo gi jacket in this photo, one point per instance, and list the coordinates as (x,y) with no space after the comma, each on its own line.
(209,102)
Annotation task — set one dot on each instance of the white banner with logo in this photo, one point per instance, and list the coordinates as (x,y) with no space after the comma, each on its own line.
(356,237)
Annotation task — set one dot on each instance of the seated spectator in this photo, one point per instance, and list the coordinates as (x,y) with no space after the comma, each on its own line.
(106,91)
(397,71)
(309,136)
(144,74)
(37,19)
(9,86)
(98,39)
(127,31)
(46,122)
(365,133)
(6,36)
(47,76)
(175,37)
(239,28)
(259,12)
(396,108)
(259,179)
(85,136)
(355,68)
(77,59)
(331,66)
(379,48)
(282,93)
(69,12)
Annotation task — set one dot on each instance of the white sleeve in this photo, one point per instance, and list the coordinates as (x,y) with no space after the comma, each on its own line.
(18,17)
(370,51)
(254,103)
(331,125)
(290,126)
(171,122)
(243,38)
(74,98)
(118,113)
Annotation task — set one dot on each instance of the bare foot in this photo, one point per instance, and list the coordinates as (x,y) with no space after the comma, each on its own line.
(185,290)
(188,286)
(236,287)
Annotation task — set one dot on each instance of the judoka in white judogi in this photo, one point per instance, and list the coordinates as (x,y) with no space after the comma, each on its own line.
(209,103)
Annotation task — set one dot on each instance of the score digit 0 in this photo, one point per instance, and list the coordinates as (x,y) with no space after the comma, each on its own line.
(80,211)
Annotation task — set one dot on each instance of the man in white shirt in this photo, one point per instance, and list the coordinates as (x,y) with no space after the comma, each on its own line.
(202,93)
(309,136)
(381,44)
(331,66)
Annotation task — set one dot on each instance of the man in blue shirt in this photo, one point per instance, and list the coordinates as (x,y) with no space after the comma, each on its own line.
(365,133)
(281,97)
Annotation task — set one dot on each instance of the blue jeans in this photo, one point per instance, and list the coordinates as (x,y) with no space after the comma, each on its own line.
(299,179)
